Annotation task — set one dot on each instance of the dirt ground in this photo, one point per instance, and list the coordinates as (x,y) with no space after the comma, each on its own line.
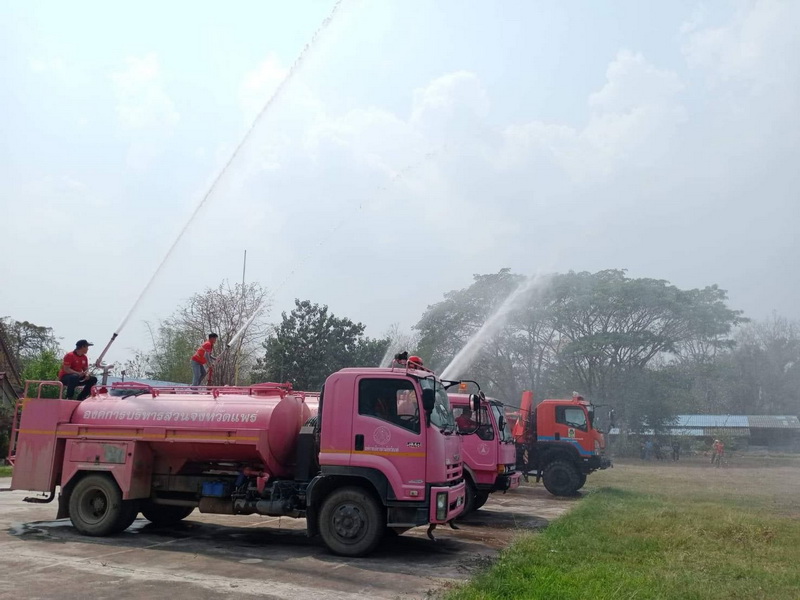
(216,556)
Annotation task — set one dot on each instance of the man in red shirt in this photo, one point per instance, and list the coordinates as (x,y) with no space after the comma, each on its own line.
(465,421)
(202,358)
(75,371)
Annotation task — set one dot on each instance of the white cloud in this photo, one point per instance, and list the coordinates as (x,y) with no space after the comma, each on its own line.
(259,85)
(48,65)
(142,102)
(632,119)
(145,111)
(760,43)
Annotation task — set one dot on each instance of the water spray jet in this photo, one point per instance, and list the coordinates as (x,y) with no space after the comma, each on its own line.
(279,90)
(490,327)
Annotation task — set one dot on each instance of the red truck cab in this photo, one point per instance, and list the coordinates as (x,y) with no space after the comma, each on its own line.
(487,448)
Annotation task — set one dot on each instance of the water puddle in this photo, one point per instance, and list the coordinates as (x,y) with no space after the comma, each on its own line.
(37,528)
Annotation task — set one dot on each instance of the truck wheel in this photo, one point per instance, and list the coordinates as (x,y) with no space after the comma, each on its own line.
(581,480)
(480,499)
(351,523)
(165,514)
(128,514)
(470,496)
(561,478)
(96,507)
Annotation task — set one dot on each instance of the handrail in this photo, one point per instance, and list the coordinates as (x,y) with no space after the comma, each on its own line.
(215,391)
(41,382)
(12,442)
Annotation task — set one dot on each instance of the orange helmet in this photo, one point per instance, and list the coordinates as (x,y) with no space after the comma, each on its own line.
(414,361)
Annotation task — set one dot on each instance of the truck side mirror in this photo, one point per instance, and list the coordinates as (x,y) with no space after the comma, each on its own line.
(612,419)
(475,402)
(428,400)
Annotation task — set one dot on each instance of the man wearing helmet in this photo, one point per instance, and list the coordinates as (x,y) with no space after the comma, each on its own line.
(414,362)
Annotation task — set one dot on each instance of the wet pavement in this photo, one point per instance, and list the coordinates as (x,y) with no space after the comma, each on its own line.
(219,556)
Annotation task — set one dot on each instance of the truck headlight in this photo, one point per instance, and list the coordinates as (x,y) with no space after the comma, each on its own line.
(441,506)
(501,469)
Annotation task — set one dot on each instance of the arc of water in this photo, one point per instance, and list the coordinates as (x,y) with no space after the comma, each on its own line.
(490,327)
(274,98)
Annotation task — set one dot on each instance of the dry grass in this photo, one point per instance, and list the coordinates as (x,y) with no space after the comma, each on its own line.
(755,483)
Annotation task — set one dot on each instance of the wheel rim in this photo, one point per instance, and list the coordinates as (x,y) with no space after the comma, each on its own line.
(94,506)
(349,522)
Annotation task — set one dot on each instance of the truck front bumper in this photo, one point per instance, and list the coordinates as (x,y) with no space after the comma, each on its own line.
(598,462)
(447,502)
(507,481)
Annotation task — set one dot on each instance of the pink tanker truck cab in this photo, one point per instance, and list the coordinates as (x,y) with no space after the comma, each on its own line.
(381,452)
(487,449)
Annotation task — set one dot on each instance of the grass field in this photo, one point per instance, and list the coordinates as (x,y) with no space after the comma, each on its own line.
(663,530)
(5,471)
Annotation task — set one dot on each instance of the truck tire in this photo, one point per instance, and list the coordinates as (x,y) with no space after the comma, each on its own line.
(130,510)
(96,507)
(480,499)
(165,514)
(351,523)
(581,480)
(561,478)
(470,499)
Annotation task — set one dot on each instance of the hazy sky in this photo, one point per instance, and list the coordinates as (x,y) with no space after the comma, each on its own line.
(419,143)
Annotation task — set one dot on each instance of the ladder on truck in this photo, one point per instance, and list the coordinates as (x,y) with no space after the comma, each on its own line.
(12,442)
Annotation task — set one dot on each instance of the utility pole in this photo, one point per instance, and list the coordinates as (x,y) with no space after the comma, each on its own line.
(239,348)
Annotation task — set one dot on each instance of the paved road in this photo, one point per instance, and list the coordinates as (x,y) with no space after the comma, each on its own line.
(216,556)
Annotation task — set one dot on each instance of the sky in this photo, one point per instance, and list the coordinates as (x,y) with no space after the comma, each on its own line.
(416,144)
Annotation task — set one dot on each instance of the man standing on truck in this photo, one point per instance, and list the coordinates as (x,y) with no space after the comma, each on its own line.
(75,371)
(202,358)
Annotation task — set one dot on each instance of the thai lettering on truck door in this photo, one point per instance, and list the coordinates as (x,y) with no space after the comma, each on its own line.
(389,434)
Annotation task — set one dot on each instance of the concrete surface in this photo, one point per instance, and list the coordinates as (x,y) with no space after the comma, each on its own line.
(216,556)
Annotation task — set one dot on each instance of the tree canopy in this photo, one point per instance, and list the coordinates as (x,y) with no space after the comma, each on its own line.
(602,333)
(310,343)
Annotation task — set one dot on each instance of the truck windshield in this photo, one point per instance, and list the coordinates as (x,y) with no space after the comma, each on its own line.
(442,414)
(502,423)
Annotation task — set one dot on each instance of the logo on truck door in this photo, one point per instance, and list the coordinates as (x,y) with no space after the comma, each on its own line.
(382,435)
(571,432)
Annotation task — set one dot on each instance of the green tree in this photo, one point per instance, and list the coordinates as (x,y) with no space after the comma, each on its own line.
(43,367)
(310,343)
(28,341)
(761,374)
(603,334)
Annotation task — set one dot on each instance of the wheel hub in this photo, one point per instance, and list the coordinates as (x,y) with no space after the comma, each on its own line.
(95,505)
(348,522)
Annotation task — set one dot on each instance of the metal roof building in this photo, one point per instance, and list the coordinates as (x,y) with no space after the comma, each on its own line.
(756,430)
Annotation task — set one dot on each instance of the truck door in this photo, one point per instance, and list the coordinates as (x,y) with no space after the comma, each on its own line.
(478,446)
(572,426)
(389,435)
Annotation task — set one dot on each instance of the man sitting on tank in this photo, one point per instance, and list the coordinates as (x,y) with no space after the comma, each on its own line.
(75,371)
